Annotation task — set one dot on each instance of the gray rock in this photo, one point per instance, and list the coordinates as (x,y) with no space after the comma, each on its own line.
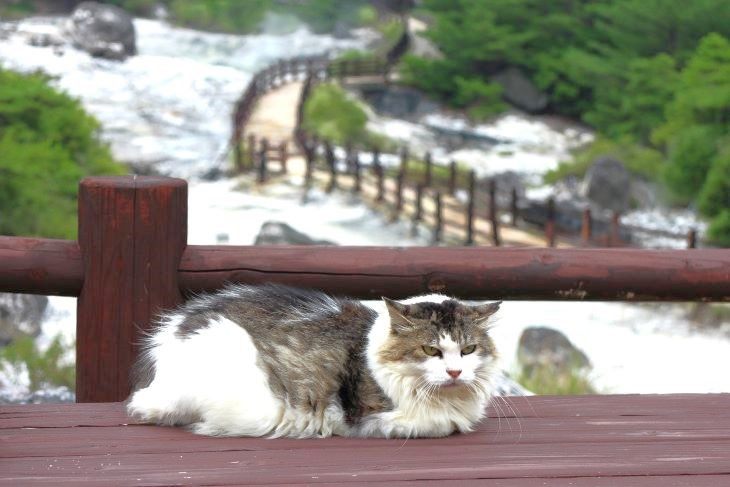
(541,346)
(607,184)
(397,101)
(278,233)
(520,91)
(104,31)
(20,315)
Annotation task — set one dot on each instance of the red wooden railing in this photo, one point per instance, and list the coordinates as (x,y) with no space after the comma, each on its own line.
(131,261)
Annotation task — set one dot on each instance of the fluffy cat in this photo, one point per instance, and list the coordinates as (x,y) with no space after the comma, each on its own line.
(278,361)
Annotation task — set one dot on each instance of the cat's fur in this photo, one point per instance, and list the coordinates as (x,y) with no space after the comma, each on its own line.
(279,361)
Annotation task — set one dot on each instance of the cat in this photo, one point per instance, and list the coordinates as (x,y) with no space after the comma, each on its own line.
(278,361)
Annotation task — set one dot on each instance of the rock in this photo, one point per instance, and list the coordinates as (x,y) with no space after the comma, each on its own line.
(607,184)
(20,315)
(278,233)
(104,31)
(520,91)
(397,101)
(540,346)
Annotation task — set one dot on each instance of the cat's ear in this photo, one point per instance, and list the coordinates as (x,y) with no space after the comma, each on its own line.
(482,312)
(399,321)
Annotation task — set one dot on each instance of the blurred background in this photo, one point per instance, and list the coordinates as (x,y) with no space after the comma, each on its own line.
(619,107)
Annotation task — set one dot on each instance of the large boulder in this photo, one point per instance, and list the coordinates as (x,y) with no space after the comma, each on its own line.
(607,184)
(278,233)
(20,315)
(104,31)
(520,91)
(541,346)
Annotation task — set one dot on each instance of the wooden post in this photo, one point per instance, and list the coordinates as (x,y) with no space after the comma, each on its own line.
(132,233)
(550,223)
(418,213)
(615,237)
(586,229)
(403,170)
(251,163)
(237,153)
(283,155)
(470,209)
(513,210)
(329,155)
(439,221)
(263,161)
(493,214)
(398,194)
(429,170)
(452,177)
(692,238)
(379,174)
(309,154)
(356,168)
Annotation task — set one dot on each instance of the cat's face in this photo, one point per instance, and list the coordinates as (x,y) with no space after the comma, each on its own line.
(444,345)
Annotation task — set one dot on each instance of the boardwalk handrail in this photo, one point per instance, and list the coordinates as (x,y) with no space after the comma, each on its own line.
(132,261)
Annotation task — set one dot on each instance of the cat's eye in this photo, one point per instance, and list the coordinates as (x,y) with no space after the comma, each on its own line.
(431,351)
(468,350)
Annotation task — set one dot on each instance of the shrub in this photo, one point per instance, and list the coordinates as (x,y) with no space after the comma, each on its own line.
(719,230)
(44,368)
(47,143)
(332,115)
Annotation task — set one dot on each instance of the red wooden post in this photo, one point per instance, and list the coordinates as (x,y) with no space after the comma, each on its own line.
(550,223)
(692,238)
(514,211)
(452,177)
(310,150)
(496,240)
(263,161)
(586,229)
(470,209)
(132,233)
(429,170)
(283,155)
(615,237)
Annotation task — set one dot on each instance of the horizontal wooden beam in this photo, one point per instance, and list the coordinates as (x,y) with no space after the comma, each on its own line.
(44,266)
(40,266)
(470,273)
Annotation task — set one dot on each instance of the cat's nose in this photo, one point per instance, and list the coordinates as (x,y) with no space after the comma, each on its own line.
(454,373)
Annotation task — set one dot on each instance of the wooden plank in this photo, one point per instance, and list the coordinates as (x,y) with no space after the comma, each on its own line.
(489,273)
(624,440)
(40,266)
(132,232)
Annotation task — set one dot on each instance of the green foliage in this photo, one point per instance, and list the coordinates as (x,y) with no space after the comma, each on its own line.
(639,160)
(46,368)
(719,230)
(554,380)
(715,195)
(325,15)
(47,144)
(480,98)
(332,115)
(220,15)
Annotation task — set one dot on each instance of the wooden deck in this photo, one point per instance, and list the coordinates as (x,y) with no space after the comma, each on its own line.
(672,440)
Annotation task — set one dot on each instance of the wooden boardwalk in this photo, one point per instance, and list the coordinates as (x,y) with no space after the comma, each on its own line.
(669,440)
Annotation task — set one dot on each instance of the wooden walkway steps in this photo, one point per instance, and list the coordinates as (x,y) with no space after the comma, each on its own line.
(617,441)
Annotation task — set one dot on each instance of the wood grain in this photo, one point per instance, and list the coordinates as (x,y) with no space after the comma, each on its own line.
(632,440)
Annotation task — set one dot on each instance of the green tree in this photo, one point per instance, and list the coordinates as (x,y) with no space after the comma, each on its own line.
(331,115)
(47,143)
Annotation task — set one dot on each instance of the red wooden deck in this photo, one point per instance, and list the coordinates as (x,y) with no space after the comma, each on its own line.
(671,440)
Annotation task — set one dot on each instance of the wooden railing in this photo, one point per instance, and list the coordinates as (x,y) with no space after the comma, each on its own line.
(131,261)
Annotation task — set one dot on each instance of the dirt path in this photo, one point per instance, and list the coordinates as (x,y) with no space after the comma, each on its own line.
(275,114)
